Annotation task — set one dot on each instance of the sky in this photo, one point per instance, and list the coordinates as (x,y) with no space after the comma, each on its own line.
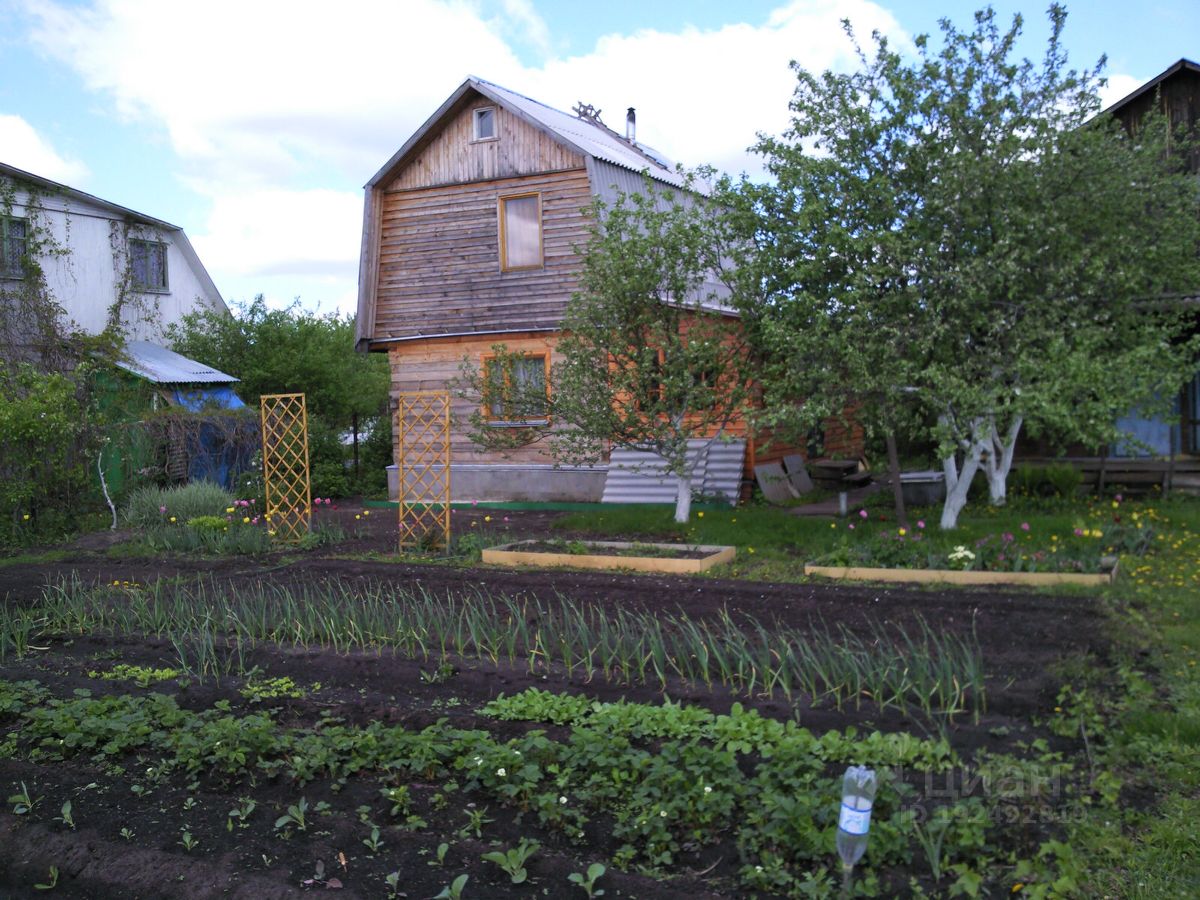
(254,124)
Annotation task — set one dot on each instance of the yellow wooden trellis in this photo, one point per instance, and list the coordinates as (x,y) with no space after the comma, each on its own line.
(423,460)
(285,466)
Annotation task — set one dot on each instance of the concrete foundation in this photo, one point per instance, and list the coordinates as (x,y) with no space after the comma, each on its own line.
(517,483)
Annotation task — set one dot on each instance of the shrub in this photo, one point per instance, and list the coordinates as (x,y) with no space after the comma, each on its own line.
(186,502)
(1056,480)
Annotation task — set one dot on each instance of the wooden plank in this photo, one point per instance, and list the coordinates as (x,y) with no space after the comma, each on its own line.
(451,156)
(953,576)
(513,555)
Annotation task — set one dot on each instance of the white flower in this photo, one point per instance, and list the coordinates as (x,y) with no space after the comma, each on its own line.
(707,789)
(663,813)
(501,772)
(479,760)
(562,800)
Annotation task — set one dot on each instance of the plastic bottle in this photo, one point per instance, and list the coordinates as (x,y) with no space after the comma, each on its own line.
(854,821)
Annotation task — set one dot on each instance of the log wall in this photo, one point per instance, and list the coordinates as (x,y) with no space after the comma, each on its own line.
(439,258)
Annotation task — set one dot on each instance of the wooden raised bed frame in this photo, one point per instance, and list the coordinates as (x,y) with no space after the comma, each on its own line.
(513,555)
(955,576)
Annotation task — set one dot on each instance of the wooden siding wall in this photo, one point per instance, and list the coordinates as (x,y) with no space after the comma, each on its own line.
(451,157)
(433,365)
(1179,97)
(439,258)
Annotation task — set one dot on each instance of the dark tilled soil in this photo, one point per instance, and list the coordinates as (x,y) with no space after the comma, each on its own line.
(1022,637)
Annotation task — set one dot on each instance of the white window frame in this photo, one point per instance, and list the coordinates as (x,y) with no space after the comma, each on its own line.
(477,117)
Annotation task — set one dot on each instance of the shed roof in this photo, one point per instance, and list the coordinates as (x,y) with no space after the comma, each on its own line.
(162,366)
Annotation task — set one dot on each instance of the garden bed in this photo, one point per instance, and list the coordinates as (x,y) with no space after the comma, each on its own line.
(675,559)
(967,577)
(134,797)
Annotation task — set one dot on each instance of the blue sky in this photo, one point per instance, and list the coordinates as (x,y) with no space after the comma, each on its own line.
(254,124)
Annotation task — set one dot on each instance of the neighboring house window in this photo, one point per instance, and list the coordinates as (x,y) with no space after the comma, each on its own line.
(148,265)
(516,390)
(483,124)
(521,232)
(14,244)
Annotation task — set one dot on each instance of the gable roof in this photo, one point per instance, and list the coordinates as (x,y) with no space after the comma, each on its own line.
(1183,65)
(590,140)
(120,212)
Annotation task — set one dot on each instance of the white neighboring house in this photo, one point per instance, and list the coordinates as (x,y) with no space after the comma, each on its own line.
(100,260)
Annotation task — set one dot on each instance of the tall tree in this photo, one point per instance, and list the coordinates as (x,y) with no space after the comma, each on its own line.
(960,234)
(653,358)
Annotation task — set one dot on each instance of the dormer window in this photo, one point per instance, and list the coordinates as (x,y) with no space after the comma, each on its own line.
(484,124)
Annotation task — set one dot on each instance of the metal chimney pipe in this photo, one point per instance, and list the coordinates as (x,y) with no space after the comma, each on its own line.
(631,126)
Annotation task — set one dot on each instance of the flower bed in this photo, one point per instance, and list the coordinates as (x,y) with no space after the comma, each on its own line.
(638,557)
(1086,554)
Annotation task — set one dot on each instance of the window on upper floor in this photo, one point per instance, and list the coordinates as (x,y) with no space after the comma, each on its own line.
(148,265)
(516,390)
(14,245)
(483,124)
(521,232)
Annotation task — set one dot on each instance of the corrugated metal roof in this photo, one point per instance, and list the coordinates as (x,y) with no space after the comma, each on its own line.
(593,140)
(162,366)
(638,477)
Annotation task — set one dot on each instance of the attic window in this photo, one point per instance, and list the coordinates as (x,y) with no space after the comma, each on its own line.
(484,124)
(148,266)
(14,244)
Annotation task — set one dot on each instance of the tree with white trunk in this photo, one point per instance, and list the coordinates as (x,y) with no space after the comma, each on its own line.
(966,236)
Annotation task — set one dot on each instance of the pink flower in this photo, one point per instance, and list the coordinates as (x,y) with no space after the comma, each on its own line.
(1024,526)
(1118,498)
(506,518)
(163,510)
(1078,532)
(862,513)
(1008,537)
(920,523)
(851,526)
(474,502)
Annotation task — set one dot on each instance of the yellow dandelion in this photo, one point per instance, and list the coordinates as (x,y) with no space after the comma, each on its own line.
(700,514)
(229,509)
(487,518)
(902,532)
(172,518)
(366,512)
(25,518)
(357,516)
(245,520)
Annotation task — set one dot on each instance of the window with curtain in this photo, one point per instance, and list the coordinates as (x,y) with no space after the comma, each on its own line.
(516,390)
(14,244)
(148,265)
(521,232)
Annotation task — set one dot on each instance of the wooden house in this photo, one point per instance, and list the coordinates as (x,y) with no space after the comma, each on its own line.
(470,238)
(1176,91)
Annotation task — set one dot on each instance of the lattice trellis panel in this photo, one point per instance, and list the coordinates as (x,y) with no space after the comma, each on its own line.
(285,465)
(423,460)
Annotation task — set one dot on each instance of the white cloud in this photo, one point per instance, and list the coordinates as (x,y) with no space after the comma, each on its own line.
(1118,88)
(265,102)
(25,149)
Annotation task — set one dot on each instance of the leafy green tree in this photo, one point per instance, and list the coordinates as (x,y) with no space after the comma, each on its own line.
(275,351)
(651,356)
(960,236)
